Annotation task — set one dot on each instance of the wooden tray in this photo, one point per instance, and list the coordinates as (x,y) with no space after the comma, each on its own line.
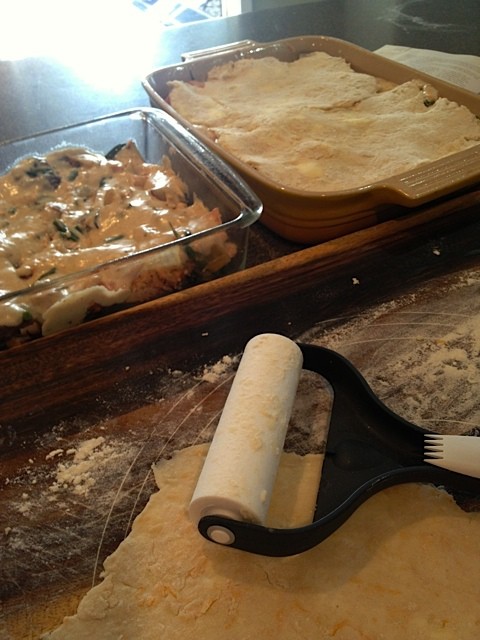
(134,383)
(46,379)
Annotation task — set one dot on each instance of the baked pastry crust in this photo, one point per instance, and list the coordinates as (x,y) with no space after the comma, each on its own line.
(317,125)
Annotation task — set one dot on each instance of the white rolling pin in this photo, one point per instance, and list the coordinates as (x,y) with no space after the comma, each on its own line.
(239,472)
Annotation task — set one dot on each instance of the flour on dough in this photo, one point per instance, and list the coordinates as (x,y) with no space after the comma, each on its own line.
(405,565)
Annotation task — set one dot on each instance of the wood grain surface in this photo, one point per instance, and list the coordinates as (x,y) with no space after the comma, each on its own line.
(133,384)
(47,376)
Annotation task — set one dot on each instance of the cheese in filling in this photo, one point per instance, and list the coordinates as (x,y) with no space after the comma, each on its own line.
(74,209)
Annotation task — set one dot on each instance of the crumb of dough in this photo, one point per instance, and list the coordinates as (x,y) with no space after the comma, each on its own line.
(78,473)
(215,372)
(54,453)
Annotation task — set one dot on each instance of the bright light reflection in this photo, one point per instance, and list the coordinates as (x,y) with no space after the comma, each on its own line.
(105,41)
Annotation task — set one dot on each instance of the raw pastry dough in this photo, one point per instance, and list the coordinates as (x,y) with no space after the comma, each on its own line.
(406,565)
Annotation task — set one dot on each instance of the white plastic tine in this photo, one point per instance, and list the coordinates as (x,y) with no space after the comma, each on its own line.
(455,453)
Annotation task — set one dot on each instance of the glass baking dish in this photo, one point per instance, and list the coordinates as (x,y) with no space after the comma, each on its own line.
(53,304)
(314,216)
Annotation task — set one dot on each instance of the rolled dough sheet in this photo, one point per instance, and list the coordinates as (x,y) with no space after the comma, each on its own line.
(405,565)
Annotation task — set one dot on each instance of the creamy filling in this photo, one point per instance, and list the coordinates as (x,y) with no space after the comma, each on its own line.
(73,209)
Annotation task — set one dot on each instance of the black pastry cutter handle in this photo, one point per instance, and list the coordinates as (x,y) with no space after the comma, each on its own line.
(368,448)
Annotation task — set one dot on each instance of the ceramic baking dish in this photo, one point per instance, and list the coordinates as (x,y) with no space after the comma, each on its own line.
(53,303)
(310,217)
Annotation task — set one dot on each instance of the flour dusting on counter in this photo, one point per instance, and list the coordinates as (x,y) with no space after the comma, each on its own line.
(419,357)
(84,463)
(82,484)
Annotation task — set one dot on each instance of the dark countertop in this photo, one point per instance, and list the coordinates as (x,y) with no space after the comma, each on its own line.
(98,72)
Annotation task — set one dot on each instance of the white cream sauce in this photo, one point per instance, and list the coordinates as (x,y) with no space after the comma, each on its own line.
(74,209)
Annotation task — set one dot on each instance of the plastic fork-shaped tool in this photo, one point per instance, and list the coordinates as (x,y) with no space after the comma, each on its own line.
(456,453)
(368,448)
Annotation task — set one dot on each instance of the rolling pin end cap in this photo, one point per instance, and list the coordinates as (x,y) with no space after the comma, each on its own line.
(221,535)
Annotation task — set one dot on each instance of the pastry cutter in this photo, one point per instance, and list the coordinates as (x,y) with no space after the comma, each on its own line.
(368,448)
